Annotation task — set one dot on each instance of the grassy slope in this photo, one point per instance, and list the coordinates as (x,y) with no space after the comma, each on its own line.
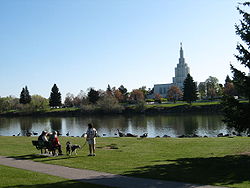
(215,161)
(17,178)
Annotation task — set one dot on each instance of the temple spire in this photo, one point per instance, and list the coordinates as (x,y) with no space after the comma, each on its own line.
(181,53)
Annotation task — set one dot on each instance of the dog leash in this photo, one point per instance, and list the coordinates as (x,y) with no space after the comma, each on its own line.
(84,144)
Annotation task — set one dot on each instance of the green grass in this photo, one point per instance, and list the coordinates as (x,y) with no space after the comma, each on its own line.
(214,161)
(18,178)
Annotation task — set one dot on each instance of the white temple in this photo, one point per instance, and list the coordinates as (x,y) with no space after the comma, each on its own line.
(181,72)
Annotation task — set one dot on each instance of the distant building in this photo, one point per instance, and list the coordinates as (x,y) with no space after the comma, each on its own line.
(181,72)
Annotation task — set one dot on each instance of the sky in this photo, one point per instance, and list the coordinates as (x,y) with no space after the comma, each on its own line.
(78,44)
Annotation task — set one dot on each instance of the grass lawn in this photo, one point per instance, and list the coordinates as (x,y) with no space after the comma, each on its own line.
(214,161)
(18,178)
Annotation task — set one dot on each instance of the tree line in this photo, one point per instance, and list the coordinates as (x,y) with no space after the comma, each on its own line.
(115,98)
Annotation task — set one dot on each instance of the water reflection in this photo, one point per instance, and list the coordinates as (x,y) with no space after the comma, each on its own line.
(155,125)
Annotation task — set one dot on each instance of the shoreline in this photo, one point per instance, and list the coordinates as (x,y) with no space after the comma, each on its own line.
(65,112)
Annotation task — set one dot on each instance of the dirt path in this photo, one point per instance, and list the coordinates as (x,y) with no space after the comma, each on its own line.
(94,177)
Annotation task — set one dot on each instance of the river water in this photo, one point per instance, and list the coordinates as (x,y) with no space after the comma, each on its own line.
(155,125)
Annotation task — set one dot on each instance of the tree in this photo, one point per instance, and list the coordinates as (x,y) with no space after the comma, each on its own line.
(237,115)
(189,90)
(9,103)
(55,97)
(229,89)
(144,90)
(137,95)
(69,100)
(108,90)
(124,92)
(212,87)
(38,102)
(174,93)
(109,103)
(25,97)
(228,80)
(118,95)
(202,90)
(93,96)
(158,98)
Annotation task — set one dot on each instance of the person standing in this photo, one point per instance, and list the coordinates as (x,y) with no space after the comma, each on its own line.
(91,134)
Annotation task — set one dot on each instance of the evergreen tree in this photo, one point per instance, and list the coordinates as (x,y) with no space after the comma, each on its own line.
(55,97)
(237,115)
(189,90)
(25,97)
(93,96)
(108,90)
(227,80)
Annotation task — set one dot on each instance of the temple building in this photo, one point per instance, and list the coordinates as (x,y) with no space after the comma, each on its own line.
(181,72)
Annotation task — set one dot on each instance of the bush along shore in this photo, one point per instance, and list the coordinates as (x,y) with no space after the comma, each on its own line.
(214,107)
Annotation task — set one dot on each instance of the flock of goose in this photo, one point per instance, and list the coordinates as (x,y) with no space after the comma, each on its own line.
(121,134)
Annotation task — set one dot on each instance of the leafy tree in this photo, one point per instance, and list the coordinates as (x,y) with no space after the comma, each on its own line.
(229,89)
(55,97)
(202,90)
(93,96)
(109,103)
(137,95)
(118,95)
(9,103)
(189,90)
(144,91)
(174,93)
(25,97)
(158,98)
(80,99)
(212,87)
(38,102)
(69,100)
(237,115)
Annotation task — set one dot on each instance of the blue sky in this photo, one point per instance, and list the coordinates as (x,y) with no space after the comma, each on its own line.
(79,44)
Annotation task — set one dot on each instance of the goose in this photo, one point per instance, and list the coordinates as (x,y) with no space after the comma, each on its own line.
(120,133)
(34,133)
(144,135)
(28,133)
(67,133)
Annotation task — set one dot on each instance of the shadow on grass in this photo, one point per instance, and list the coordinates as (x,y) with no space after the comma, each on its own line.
(27,157)
(44,157)
(225,170)
(62,184)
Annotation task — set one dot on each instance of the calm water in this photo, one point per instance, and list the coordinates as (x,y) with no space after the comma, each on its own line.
(154,125)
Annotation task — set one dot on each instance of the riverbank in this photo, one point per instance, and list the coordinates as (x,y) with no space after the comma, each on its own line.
(213,161)
(204,107)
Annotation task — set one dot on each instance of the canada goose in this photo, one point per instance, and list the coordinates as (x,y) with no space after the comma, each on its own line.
(28,133)
(131,135)
(34,133)
(144,135)
(67,134)
(120,133)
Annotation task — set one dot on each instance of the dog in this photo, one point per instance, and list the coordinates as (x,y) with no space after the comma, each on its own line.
(72,148)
